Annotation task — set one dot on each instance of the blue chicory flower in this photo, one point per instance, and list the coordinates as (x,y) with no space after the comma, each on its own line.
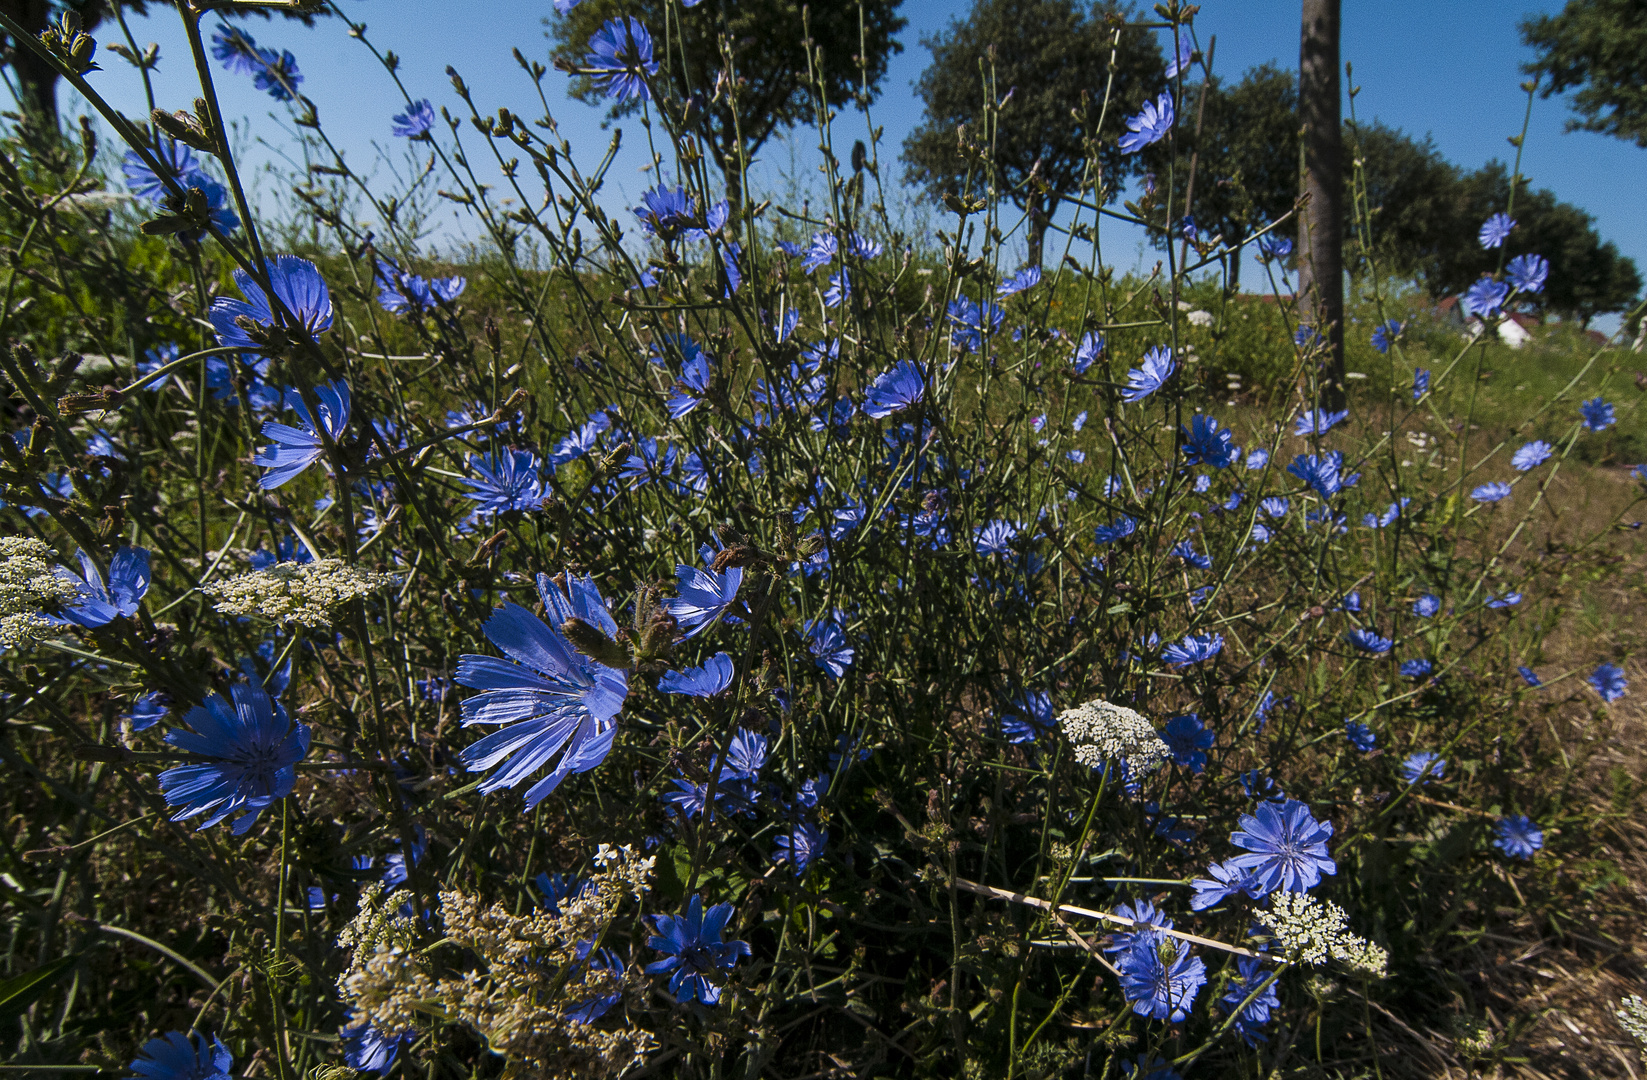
(694,951)
(714,676)
(1207,443)
(620,53)
(1091,345)
(1427,605)
(1155,369)
(1256,1013)
(827,641)
(236,50)
(401,291)
(1027,278)
(1188,740)
(504,482)
(1608,680)
(1120,529)
(176,1056)
(297,285)
(900,387)
(1318,421)
(799,845)
(1532,455)
(1369,640)
(1529,676)
(1491,492)
(1518,836)
(1416,669)
(548,698)
(839,291)
(249,747)
(1160,977)
(277,74)
(1286,848)
(415,122)
(996,538)
(970,321)
(1181,59)
(1194,649)
(1227,879)
(1032,719)
(1528,272)
(1187,552)
(1597,414)
(1421,383)
(1360,735)
(367,1049)
(1146,919)
(705,596)
(581,440)
(295,449)
(1385,334)
(1485,298)
(1495,230)
(148,710)
(98,604)
(1151,124)
(1273,247)
(1422,767)
(1323,472)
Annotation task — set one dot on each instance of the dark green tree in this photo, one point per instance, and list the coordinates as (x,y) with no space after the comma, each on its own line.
(1246,156)
(1600,48)
(1411,195)
(1588,275)
(1426,212)
(1051,59)
(36,80)
(766,41)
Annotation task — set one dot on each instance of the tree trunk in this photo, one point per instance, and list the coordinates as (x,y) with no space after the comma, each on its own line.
(1237,253)
(1321,235)
(36,81)
(1037,227)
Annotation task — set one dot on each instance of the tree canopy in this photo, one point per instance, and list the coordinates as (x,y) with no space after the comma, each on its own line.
(1246,154)
(1050,60)
(1598,47)
(766,41)
(1426,211)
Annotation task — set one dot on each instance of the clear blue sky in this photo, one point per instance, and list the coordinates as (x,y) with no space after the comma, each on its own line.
(1449,69)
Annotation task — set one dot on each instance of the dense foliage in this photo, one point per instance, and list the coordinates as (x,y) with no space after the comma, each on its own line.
(705,640)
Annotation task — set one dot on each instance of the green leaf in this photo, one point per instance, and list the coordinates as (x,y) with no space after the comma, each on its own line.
(19,993)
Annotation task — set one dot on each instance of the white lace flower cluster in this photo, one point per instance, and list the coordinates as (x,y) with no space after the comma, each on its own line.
(1314,931)
(293,592)
(528,996)
(1102,732)
(28,586)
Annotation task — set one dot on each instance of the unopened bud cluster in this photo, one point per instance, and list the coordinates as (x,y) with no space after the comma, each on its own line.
(29,585)
(1102,732)
(1314,931)
(291,592)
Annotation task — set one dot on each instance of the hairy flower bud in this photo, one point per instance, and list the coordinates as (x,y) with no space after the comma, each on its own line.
(593,643)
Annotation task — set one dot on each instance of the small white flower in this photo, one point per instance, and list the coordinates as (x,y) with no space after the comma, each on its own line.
(1102,732)
(292,592)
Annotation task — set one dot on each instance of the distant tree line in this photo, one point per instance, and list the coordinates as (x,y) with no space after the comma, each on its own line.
(1051,60)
